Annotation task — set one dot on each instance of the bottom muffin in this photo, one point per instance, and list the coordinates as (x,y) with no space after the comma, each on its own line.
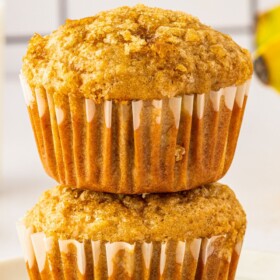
(81,234)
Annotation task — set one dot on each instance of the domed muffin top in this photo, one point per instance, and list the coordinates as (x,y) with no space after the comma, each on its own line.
(67,213)
(132,53)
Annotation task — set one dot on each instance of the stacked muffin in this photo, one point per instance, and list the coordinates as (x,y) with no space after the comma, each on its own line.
(136,113)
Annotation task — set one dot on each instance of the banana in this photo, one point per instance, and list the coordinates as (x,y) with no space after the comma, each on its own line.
(267,26)
(267,55)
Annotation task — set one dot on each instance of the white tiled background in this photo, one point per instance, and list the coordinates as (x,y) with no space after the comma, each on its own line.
(254,175)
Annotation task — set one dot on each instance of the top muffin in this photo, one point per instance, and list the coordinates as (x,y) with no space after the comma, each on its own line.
(135,53)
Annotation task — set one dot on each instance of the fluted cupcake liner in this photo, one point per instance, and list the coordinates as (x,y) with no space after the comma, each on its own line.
(205,258)
(139,146)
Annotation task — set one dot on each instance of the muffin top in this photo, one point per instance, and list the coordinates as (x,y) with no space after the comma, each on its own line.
(132,53)
(67,213)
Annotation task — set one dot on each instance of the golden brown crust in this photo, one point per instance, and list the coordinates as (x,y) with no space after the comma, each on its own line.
(206,211)
(135,53)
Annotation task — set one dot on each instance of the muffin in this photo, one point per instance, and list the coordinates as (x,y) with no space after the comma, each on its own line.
(82,234)
(136,100)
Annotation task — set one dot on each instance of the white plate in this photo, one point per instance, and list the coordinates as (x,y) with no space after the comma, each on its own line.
(13,269)
(252,266)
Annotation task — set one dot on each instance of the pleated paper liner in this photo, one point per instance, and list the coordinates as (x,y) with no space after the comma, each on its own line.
(130,147)
(199,259)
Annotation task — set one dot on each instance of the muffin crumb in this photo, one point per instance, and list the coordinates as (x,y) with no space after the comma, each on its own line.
(202,212)
(179,152)
(133,53)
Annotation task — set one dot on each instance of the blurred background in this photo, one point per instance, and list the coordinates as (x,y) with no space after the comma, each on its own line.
(255,172)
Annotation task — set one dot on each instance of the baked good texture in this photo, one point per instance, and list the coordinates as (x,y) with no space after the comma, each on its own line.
(136,100)
(135,53)
(70,213)
(195,234)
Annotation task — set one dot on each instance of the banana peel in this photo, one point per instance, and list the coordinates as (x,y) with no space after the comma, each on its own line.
(267,26)
(267,55)
(267,63)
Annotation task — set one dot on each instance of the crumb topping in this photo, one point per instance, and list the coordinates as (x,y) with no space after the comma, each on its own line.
(67,213)
(135,53)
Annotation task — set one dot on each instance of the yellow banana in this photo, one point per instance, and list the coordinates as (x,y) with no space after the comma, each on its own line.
(267,26)
(267,56)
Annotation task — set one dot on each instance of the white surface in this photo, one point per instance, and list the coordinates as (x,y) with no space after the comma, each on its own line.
(252,266)
(14,54)
(258,266)
(268,4)
(29,16)
(13,269)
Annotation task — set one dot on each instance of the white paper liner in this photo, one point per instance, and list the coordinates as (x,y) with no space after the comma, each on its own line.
(147,249)
(28,95)
(230,95)
(171,254)
(132,147)
(208,248)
